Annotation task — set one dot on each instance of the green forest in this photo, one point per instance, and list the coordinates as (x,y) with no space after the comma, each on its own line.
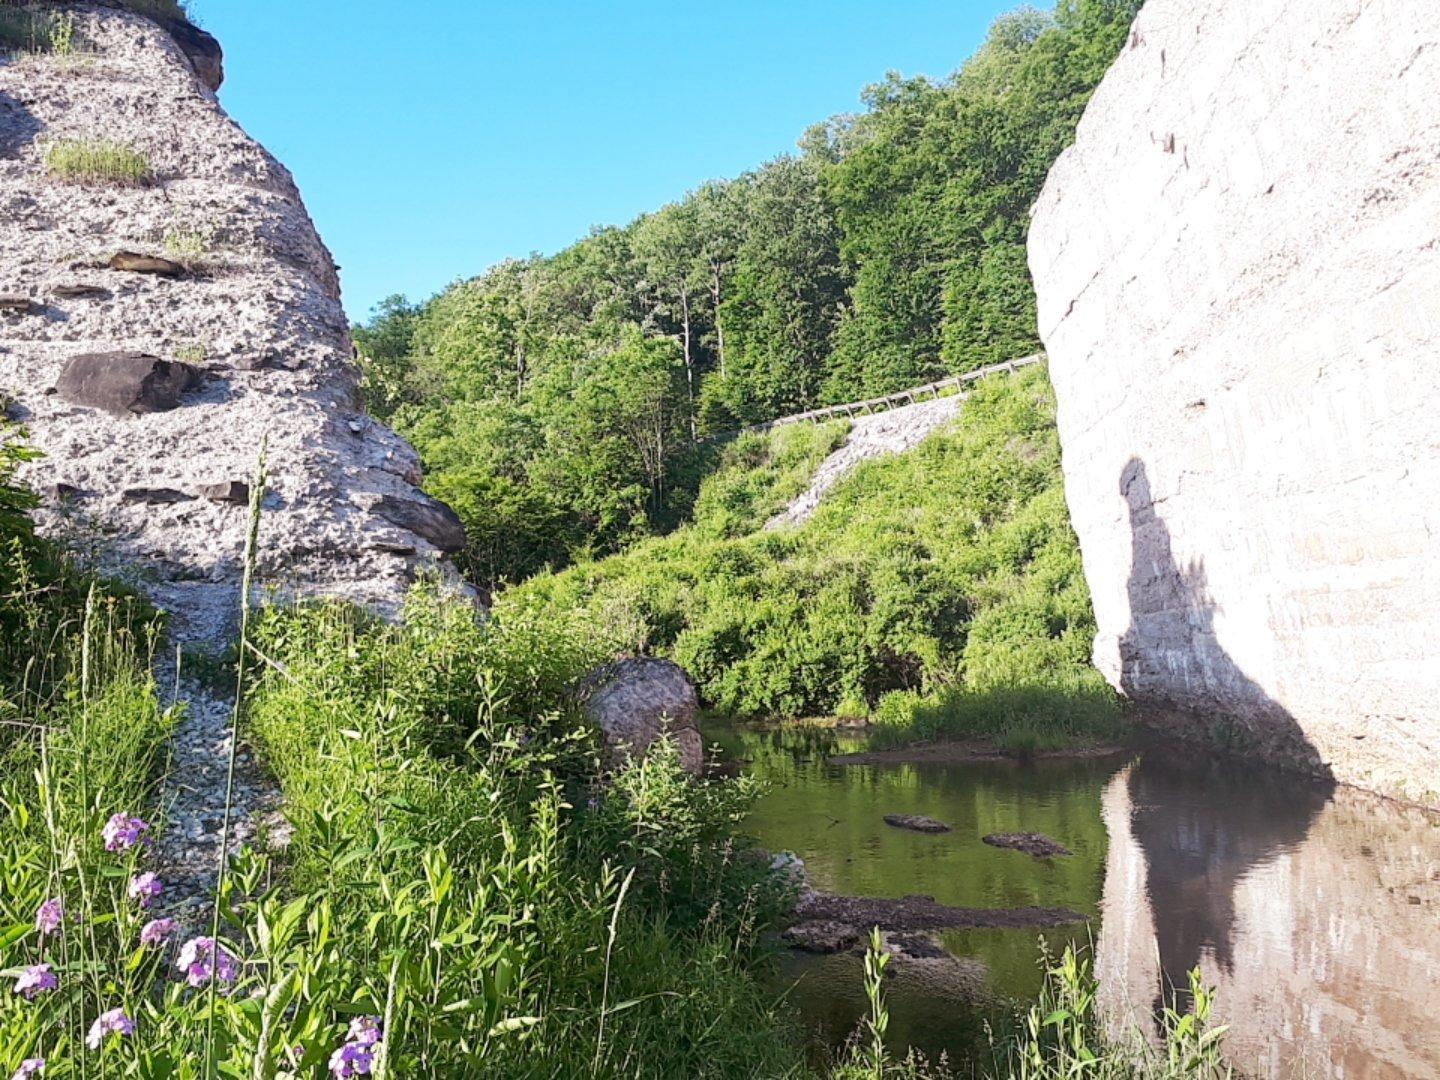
(568,405)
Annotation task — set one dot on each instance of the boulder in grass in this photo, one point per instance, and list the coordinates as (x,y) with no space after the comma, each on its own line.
(636,701)
(916,823)
(124,383)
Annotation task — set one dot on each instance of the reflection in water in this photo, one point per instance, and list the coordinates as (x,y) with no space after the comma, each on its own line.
(832,816)
(1313,913)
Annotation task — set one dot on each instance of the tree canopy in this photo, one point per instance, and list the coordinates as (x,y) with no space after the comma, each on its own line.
(562,403)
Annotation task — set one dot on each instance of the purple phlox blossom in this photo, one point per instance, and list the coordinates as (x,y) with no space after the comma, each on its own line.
(112,1022)
(122,832)
(49,915)
(352,1059)
(29,1069)
(36,979)
(156,930)
(366,1030)
(146,888)
(199,957)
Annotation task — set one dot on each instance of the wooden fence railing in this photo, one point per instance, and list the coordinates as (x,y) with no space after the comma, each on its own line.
(912,396)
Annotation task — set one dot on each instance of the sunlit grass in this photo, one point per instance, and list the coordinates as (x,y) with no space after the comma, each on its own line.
(97,161)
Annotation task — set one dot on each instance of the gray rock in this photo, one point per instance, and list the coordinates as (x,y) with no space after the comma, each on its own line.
(79,292)
(200,48)
(125,382)
(821,936)
(228,491)
(425,517)
(916,823)
(157,496)
(638,700)
(877,435)
(135,263)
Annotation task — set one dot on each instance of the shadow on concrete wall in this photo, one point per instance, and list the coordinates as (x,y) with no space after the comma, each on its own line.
(1171,660)
(1202,817)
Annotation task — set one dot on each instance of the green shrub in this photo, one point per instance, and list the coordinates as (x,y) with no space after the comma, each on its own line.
(97,161)
(949,573)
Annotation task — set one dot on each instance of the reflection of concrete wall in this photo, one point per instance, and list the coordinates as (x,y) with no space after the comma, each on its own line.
(1333,952)
(1127,961)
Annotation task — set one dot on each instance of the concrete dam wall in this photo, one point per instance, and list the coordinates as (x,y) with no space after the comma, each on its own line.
(1238,271)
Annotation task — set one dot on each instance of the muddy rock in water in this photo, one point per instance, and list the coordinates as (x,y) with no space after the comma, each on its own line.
(821,936)
(916,823)
(1031,843)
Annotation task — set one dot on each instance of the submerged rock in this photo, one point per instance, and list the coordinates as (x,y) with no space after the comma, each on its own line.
(914,946)
(1031,843)
(638,700)
(916,823)
(914,913)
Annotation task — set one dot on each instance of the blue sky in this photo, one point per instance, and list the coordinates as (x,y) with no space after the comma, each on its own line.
(434,138)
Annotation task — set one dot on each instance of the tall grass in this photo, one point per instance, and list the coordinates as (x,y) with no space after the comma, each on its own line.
(97,161)
(1063,1037)
(455,874)
(28,28)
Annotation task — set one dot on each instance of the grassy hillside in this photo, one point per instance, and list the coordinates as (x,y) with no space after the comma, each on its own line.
(941,589)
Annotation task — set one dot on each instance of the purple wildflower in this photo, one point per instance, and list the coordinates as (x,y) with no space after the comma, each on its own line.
(35,979)
(352,1059)
(146,888)
(156,930)
(29,1069)
(199,957)
(122,832)
(113,1022)
(366,1030)
(48,915)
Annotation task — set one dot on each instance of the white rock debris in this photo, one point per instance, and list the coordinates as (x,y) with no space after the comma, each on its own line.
(877,435)
(255,311)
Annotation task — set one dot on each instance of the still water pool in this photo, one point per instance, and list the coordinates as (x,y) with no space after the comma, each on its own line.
(1314,911)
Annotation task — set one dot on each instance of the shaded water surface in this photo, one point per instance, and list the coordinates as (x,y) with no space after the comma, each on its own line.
(1314,912)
